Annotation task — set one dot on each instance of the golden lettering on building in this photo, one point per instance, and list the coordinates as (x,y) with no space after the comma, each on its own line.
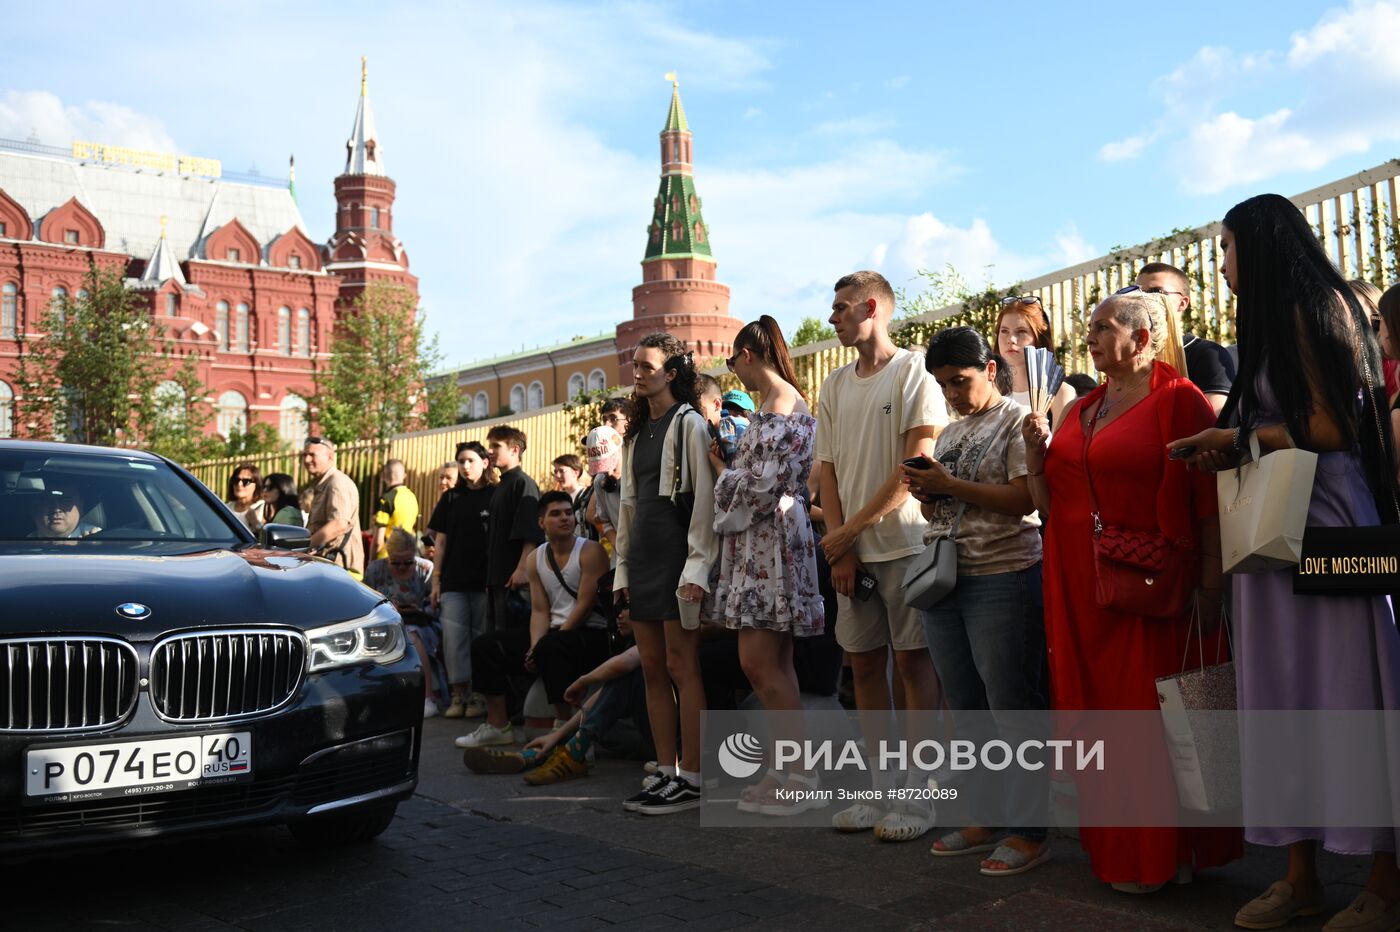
(150,161)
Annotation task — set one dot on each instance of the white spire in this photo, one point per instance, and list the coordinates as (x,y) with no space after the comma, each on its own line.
(362,153)
(163,266)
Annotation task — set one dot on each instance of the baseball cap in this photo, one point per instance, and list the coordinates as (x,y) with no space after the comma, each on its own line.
(604,446)
(738,399)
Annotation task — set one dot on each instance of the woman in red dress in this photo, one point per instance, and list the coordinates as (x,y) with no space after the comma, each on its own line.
(1105,659)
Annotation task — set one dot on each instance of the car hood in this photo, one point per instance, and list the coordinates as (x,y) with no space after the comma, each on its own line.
(79,593)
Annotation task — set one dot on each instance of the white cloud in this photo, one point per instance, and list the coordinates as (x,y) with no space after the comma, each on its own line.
(752,113)
(1349,102)
(897,82)
(44,115)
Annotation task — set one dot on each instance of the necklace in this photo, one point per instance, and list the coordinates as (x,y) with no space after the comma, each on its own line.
(1107,404)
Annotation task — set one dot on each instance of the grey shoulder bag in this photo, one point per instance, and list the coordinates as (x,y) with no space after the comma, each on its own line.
(934,572)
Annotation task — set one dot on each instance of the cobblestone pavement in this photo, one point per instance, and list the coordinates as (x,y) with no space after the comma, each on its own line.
(485,853)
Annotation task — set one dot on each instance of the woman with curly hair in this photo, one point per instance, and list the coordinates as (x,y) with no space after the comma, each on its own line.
(666,545)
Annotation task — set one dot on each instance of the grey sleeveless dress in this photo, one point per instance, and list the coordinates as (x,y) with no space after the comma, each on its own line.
(657,546)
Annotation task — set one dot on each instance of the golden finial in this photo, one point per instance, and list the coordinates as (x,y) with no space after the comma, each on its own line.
(671,76)
(163,221)
(364,76)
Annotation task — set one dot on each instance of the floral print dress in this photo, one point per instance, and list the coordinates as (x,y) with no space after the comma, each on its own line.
(768,560)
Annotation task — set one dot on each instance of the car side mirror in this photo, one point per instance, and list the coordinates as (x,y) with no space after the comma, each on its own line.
(284,537)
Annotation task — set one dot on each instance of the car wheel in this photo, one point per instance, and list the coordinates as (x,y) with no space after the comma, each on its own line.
(344,828)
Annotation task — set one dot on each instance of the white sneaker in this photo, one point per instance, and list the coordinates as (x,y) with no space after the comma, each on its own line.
(430,709)
(857,818)
(905,823)
(487,735)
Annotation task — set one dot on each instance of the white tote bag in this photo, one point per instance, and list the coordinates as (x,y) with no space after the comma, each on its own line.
(1202,738)
(1264,509)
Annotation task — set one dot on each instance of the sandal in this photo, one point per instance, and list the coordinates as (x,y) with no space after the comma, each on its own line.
(905,823)
(1016,861)
(956,843)
(752,798)
(812,797)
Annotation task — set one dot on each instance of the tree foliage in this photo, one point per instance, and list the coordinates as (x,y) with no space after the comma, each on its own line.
(811,330)
(376,382)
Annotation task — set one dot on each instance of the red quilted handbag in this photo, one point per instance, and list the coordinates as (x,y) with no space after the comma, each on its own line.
(1138,572)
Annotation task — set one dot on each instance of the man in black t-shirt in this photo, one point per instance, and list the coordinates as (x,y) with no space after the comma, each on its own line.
(513,530)
(1208,364)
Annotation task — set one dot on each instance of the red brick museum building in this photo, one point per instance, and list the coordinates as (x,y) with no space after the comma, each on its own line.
(233,277)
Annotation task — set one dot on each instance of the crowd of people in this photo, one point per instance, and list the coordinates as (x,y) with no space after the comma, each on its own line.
(725,549)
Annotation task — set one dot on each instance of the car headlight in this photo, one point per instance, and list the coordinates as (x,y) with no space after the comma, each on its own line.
(377,638)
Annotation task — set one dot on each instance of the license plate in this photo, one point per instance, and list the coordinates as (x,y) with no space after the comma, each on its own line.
(136,768)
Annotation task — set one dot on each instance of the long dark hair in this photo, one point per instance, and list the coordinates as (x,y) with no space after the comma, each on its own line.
(286,488)
(764,338)
(1296,315)
(233,479)
(678,360)
(966,348)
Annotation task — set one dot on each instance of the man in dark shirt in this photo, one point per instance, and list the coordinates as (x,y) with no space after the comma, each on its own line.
(513,530)
(1208,364)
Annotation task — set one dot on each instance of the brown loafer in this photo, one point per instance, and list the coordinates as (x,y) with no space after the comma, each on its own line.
(1275,907)
(1367,913)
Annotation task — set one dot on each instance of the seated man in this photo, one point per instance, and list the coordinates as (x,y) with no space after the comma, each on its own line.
(404,578)
(56,511)
(566,638)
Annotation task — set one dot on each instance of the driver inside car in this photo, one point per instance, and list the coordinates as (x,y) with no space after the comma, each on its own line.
(56,511)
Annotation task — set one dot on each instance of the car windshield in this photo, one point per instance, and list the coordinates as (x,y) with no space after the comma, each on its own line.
(60,499)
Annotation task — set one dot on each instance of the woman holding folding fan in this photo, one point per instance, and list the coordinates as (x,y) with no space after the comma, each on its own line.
(986,636)
(1022,324)
(1112,624)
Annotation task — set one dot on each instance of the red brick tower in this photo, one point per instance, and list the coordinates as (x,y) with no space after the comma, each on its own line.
(678,292)
(363,247)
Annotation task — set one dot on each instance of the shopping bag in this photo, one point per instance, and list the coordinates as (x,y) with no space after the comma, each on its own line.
(1203,744)
(1264,509)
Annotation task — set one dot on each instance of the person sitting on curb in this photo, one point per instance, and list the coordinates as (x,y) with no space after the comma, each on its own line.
(567,636)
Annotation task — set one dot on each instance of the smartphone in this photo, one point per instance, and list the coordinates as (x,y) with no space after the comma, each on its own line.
(919,462)
(1182,453)
(865,586)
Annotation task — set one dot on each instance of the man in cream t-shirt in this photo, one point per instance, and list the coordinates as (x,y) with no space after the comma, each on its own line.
(873,414)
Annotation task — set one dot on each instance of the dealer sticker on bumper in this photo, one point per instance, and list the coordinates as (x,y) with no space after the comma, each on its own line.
(136,768)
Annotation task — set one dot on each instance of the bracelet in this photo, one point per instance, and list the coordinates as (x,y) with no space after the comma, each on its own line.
(1237,444)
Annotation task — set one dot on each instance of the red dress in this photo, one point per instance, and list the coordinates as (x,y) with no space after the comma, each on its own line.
(1104,660)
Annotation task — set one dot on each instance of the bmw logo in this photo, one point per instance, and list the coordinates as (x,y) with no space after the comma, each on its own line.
(133,610)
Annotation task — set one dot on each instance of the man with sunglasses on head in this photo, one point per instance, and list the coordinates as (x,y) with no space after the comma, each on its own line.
(1208,364)
(334,520)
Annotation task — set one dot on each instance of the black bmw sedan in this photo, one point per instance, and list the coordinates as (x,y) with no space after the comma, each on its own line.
(162,671)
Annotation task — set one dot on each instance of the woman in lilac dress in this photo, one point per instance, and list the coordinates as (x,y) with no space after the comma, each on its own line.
(767,585)
(1305,352)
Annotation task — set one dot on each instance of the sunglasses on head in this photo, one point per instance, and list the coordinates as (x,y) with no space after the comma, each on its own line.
(1020,299)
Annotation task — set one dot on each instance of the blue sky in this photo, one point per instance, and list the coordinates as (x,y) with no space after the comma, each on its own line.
(828,136)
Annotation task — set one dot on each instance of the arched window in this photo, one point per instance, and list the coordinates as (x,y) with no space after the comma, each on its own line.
(303,332)
(57,303)
(9,310)
(575,385)
(535,399)
(172,304)
(7,410)
(170,402)
(517,399)
(292,422)
(221,324)
(481,405)
(284,331)
(241,329)
(232,413)
(597,380)
(374,217)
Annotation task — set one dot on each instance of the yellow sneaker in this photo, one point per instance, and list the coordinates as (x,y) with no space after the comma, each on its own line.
(559,766)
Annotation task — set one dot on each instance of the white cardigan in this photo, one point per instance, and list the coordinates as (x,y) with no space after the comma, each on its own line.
(697,475)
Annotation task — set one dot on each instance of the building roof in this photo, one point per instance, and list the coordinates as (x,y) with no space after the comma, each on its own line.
(575,343)
(363,156)
(130,202)
(162,265)
(677,231)
(675,117)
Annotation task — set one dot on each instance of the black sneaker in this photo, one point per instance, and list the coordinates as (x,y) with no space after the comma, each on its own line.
(652,783)
(676,795)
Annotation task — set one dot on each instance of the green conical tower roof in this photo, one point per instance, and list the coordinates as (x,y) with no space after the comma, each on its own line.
(677,229)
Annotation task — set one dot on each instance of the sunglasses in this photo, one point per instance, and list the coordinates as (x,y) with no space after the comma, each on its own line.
(400,562)
(245,481)
(729,363)
(1153,290)
(1020,299)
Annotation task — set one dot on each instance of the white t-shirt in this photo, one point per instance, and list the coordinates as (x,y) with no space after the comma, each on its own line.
(561,603)
(861,423)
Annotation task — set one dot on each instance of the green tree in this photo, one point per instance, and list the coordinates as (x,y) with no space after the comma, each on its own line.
(811,330)
(91,373)
(375,383)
